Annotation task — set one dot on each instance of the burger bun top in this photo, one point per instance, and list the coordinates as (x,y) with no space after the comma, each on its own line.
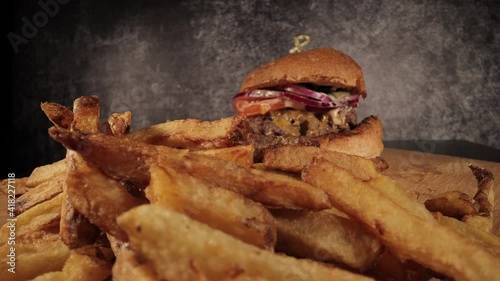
(320,66)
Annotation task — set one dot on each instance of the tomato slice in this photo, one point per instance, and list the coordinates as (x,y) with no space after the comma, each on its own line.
(250,107)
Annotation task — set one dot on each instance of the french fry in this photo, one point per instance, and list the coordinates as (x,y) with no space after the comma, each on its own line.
(33,257)
(270,189)
(35,221)
(195,134)
(204,253)
(389,267)
(97,197)
(485,197)
(39,194)
(118,124)
(129,267)
(453,203)
(294,158)
(240,154)
(86,114)
(119,158)
(75,229)
(397,195)
(83,264)
(219,208)
(487,239)
(326,237)
(17,188)
(46,172)
(408,236)
(479,222)
(59,115)
(274,190)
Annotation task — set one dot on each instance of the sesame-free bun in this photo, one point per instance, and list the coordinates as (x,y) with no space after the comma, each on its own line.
(321,66)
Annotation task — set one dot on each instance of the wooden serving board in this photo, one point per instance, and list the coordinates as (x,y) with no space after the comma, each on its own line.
(421,174)
(424,175)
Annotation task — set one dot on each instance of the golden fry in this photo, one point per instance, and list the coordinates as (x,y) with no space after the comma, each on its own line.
(99,198)
(14,188)
(487,239)
(270,189)
(485,197)
(195,134)
(118,124)
(294,158)
(59,115)
(326,237)
(44,173)
(454,204)
(240,154)
(219,208)
(203,252)
(39,194)
(34,221)
(88,263)
(34,257)
(274,190)
(407,235)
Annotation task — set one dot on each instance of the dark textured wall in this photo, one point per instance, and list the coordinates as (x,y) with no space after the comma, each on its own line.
(431,67)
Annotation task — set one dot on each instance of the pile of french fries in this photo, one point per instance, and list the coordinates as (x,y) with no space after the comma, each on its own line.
(183,200)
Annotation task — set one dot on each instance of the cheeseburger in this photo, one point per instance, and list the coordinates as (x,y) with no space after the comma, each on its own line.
(309,98)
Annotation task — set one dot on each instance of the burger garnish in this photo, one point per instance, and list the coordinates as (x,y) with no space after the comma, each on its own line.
(309,98)
(318,107)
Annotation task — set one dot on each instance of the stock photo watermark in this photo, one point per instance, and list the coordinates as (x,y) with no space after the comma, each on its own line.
(11,222)
(31,26)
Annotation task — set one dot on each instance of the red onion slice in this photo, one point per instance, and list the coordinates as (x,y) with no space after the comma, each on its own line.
(298,100)
(260,94)
(294,88)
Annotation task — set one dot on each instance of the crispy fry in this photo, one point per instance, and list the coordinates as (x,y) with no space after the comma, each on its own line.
(203,252)
(99,198)
(219,208)
(129,267)
(119,158)
(271,189)
(75,229)
(326,237)
(34,221)
(195,134)
(274,190)
(118,124)
(34,257)
(397,195)
(44,173)
(389,267)
(59,115)
(240,154)
(39,194)
(488,240)
(86,111)
(83,264)
(479,222)
(485,197)
(453,203)
(17,187)
(407,235)
(294,158)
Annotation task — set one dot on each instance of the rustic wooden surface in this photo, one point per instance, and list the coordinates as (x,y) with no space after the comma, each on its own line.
(422,174)
(425,174)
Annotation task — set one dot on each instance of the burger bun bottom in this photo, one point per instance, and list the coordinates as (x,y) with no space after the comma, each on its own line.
(364,140)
